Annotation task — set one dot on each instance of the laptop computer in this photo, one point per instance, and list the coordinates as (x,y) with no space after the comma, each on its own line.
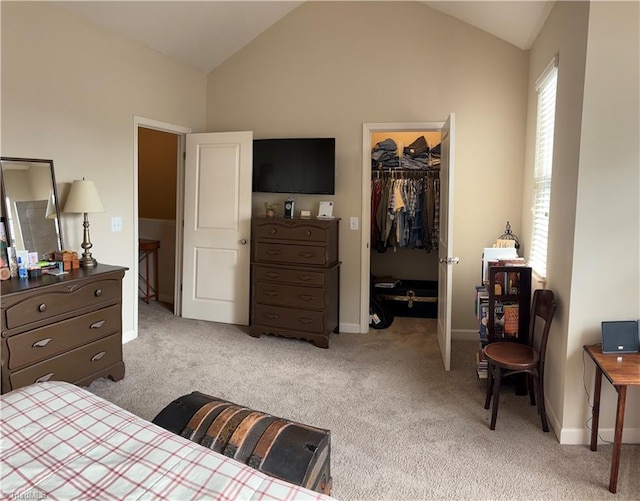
(621,336)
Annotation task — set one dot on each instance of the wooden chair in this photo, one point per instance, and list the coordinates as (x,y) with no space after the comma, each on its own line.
(508,358)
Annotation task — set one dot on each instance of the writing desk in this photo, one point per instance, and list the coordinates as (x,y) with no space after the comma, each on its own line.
(621,370)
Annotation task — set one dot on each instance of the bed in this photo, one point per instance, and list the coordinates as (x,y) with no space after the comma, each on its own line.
(60,441)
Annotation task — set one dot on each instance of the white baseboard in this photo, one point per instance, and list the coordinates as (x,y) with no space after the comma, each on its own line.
(129,336)
(465,334)
(349,328)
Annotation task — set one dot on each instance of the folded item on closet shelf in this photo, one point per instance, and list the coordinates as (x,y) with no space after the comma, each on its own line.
(418,163)
(388,144)
(416,148)
(435,151)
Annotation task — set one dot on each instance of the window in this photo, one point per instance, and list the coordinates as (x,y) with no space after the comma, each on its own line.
(546,88)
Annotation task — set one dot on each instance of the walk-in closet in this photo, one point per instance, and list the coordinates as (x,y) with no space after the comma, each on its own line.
(405,208)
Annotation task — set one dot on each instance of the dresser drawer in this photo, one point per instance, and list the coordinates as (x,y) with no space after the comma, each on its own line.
(288,230)
(290,276)
(73,365)
(289,318)
(62,300)
(292,254)
(289,295)
(38,344)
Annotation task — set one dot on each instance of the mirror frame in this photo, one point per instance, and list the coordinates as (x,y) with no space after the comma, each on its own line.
(6,209)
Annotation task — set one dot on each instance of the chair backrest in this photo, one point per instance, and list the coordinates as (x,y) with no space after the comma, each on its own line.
(543,307)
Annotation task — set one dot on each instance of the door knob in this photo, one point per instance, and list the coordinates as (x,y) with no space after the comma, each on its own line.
(243,241)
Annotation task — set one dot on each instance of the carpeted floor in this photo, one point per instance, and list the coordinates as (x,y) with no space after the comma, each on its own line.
(401,427)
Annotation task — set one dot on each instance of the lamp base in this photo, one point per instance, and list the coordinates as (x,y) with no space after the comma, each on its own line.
(87,262)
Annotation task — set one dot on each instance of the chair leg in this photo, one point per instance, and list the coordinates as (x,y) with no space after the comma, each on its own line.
(496,397)
(531,388)
(487,400)
(541,407)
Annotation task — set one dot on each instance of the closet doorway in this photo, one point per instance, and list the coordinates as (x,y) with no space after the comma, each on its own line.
(419,155)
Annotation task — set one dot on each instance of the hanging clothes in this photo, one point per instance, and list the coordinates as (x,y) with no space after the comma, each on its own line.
(405,212)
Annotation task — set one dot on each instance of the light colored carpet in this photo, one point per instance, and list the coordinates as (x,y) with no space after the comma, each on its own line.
(401,427)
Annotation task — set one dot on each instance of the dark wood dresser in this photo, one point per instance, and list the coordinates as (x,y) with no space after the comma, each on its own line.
(66,328)
(295,278)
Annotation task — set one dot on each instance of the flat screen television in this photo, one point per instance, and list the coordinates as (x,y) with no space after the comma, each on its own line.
(294,165)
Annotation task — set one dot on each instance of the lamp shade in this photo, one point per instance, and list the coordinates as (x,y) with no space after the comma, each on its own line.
(83,197)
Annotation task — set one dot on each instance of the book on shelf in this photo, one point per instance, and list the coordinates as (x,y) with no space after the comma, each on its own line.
(482,365)
(483,320)
(498,321)
(511,320)
(481,296)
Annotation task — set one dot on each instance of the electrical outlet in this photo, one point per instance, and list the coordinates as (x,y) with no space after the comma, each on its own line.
(353,223)
(116,224)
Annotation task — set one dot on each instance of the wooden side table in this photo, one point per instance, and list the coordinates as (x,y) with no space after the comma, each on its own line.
(147,250)
(621,370)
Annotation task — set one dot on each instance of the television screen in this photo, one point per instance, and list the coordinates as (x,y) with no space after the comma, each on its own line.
(294,166)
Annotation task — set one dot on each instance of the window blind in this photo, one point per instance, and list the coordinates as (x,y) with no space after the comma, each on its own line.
(546,88)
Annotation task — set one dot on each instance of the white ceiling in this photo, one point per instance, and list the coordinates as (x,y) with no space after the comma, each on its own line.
(205,33)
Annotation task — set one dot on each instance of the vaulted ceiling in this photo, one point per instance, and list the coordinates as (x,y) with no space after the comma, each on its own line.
(203,34)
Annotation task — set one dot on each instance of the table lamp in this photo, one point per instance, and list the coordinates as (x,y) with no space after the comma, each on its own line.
(83,198)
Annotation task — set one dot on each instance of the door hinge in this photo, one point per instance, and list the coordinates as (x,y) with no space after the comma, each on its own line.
(184,155)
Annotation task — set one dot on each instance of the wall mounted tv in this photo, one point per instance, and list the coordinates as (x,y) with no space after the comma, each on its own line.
(294,165)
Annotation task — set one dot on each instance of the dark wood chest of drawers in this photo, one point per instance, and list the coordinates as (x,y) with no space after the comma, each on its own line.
(295,278)
(65,328)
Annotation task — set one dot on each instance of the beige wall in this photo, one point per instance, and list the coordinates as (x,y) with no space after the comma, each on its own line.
(70,91)
(607,237)
(329,67)
(594,199)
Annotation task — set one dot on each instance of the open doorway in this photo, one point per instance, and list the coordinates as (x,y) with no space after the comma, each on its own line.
(156,219)
(157,191)
(438,265)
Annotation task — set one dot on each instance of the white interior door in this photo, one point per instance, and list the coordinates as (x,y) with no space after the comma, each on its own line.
(445,247)
(217,227)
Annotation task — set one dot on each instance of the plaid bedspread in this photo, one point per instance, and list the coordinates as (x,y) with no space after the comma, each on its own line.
(59,441)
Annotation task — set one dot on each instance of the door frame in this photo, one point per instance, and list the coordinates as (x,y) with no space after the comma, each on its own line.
(181,132)
(365,248)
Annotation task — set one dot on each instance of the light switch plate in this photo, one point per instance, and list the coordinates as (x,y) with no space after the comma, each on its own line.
(353,223)
(116,224)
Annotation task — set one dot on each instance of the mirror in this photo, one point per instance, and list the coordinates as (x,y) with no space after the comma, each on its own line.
(30,209)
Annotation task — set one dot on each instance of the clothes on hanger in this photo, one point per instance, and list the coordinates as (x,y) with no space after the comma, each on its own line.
(405,212)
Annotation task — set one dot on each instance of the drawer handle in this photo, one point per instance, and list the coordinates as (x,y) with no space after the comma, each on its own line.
(98,293)
(308,254)
(273,252)
(42,308)
(271,274)
(98,356)
(305,320)
(42,343)
(308,233)
(272,316)
(97,325)
(272,231)
(306,297)
(305,278)
(44,378)
(271,293)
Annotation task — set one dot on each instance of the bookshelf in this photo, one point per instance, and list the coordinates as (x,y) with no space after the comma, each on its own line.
(509,302)
(502,307)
